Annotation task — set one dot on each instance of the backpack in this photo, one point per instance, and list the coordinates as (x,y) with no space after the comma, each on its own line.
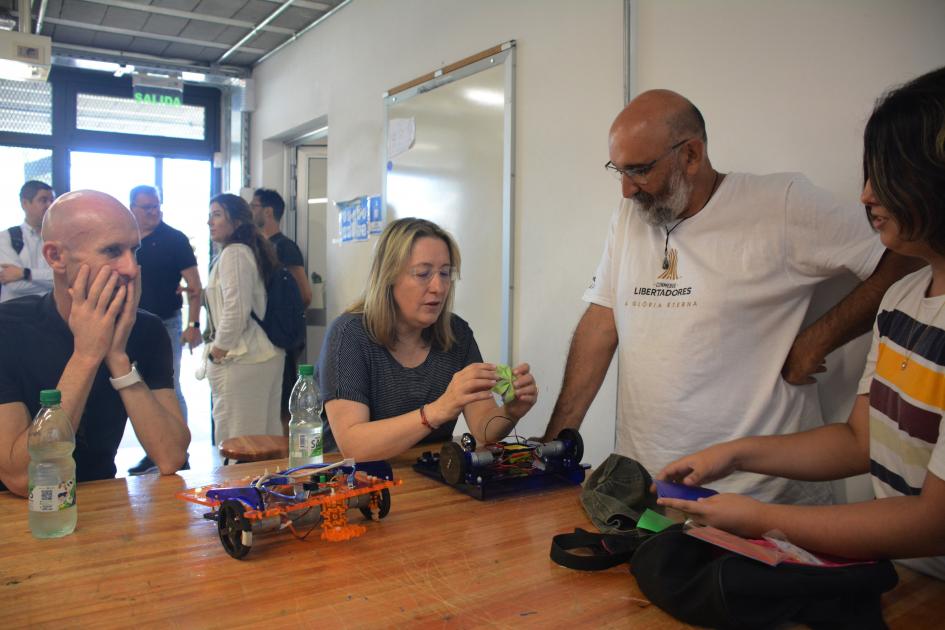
(284,321)
(16,238)
(700,584)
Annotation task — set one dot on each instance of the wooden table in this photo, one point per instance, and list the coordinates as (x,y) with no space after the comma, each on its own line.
(141,557)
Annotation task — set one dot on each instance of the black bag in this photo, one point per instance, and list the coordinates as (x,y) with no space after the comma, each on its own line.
(701,584)
(284,321)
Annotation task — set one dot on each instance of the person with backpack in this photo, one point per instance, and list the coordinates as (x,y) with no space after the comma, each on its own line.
(23,270)
(242,363)
(268,206)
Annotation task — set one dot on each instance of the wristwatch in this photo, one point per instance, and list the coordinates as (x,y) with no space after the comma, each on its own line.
(128,379)
(194,325)
(27,274)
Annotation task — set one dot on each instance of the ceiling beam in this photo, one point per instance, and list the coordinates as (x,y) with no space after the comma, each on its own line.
(238,45)
(133,33)
(305,30)
(64,53)
(305,4)
(40,17)
(188,15)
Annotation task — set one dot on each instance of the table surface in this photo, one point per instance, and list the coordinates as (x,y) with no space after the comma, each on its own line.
(141,556)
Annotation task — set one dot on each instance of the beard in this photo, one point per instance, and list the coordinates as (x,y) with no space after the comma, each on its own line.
(666,206)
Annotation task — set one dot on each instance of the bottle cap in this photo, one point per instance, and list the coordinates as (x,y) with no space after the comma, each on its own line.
(306,370)
(49,397)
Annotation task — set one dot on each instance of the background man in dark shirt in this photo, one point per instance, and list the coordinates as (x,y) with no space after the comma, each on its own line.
(89,340)
(268,208)
(165,257)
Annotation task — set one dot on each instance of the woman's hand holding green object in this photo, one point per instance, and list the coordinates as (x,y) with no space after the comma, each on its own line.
(524,391)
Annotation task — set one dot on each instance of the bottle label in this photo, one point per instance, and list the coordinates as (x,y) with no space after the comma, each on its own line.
(52,498)
(308,444)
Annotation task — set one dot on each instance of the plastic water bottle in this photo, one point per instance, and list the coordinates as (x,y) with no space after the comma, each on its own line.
(51,469)
(305,425)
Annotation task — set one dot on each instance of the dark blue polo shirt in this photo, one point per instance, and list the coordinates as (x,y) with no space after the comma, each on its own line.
(36,346)
(164,253)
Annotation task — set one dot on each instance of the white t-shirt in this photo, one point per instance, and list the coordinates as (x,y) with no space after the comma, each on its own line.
(907,441)
(701,344)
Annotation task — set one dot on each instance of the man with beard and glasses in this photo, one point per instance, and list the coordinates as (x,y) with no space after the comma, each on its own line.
(704,284)
(88,339)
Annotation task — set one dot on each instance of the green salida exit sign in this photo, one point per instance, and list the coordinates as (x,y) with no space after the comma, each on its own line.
(148,96)
(157,90)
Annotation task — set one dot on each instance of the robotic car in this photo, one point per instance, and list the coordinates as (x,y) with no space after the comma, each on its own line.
(294,498)
(503,467)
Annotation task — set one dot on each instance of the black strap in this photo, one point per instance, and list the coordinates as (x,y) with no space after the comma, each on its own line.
(606,550)
(16,238)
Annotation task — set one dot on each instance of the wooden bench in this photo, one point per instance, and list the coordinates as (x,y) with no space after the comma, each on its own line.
(254,448)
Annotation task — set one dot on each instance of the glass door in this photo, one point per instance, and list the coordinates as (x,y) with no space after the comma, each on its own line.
(185,185)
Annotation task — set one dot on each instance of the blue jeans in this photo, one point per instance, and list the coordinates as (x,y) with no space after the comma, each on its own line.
(173,326)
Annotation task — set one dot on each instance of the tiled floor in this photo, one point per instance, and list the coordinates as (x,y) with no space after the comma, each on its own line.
(197,394)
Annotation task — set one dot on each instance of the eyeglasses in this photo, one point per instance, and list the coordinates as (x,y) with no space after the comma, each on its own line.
(150,207)
(637,174)
(424,274)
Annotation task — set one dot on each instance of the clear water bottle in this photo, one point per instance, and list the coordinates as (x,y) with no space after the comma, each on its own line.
(305,425)
(51,469)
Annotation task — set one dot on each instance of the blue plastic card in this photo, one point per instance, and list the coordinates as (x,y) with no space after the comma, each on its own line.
(672,490)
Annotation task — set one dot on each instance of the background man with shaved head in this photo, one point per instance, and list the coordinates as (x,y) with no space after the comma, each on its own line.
(88,339)
(704,283)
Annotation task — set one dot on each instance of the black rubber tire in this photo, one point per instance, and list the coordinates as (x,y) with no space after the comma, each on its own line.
(230,525)
(383,506)
(453,465)
(576,452)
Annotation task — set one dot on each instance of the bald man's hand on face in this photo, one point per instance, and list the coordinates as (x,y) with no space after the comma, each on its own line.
(95,313)
(126,320)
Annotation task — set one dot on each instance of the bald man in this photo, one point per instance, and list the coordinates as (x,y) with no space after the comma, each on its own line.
(88,339)
(703,285)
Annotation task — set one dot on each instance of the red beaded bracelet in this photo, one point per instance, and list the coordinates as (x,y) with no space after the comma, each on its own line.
(423,419)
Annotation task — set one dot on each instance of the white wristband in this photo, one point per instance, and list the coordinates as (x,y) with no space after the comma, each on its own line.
(128,379)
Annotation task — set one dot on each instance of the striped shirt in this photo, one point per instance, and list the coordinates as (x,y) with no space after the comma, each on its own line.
(907,403)
(353,367)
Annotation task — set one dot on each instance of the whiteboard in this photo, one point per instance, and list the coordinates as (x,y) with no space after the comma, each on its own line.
(449,160)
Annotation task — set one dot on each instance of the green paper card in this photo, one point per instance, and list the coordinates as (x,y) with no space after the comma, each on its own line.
(653,522)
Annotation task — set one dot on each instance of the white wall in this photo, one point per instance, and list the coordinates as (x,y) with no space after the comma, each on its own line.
(569,87)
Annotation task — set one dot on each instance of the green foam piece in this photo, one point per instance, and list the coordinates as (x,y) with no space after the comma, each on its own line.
(503,386)
(653,521)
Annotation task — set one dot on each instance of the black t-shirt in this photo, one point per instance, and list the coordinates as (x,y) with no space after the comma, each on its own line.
(36,346)
(353,367)
(287,251)
(164,253)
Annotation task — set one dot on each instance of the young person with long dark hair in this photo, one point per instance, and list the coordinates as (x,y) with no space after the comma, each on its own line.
(243,366)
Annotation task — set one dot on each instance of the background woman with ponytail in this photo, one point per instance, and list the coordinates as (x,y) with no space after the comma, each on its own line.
(243,366)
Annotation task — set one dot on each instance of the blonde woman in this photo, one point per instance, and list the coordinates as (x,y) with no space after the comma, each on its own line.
(399,367)
(243,366)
